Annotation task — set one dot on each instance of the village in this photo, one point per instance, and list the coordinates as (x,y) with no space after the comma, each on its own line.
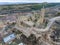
(37,27)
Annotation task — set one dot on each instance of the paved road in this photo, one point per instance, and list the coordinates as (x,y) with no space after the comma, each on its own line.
(28,31)
(50,23)
(32,30)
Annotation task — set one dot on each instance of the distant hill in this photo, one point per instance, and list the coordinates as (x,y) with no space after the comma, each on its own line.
(22,7)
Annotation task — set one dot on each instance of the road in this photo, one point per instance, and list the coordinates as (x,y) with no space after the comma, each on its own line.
(37,31)
(50,23)
(32,30)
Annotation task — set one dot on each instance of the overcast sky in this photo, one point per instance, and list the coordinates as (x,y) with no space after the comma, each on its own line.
(38,1)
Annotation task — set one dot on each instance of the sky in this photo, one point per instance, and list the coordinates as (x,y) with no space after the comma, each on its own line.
(37,1)
(2,2)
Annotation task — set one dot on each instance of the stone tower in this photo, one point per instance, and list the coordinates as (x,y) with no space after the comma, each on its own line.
(42,14)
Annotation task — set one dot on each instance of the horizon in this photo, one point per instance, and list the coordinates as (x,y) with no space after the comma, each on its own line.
(9,3)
